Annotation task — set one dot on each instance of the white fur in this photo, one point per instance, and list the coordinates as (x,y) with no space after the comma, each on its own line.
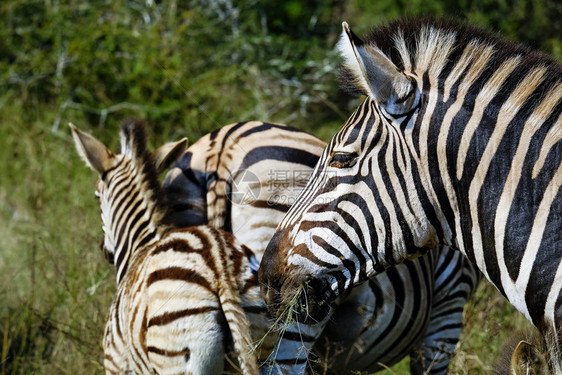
(352,61)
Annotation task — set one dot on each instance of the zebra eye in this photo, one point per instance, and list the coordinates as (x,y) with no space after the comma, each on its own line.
(343,159)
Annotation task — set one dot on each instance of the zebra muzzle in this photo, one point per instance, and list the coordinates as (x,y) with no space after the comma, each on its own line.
(300,299)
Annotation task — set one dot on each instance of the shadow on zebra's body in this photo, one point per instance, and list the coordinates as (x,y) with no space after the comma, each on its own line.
(381,321)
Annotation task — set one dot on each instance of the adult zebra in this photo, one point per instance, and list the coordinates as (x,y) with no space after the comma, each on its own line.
(458,142)
(383,320)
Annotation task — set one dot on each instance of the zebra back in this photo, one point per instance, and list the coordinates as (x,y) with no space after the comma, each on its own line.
(242,178)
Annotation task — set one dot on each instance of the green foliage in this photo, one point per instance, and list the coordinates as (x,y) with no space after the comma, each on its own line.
(187,67)
(168,63)
(55,287)
(533,22)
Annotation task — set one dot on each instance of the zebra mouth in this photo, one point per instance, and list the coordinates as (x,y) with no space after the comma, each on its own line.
(308,301)
(291,292)
(313,302)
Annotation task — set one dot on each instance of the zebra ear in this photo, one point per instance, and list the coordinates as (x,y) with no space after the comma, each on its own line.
(167,154)
(375,74)
(93,152)
(525,359)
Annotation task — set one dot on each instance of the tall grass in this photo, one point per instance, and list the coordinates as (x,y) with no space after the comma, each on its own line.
(55,287)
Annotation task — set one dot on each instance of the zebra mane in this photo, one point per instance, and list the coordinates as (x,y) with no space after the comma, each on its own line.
(133,144)
(436,44)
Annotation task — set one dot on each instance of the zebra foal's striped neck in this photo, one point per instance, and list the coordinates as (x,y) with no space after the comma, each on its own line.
(133,212)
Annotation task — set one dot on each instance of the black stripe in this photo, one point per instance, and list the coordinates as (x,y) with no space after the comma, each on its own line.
(229,133)
(178,273)
(528,194)
(274,205)
(170,353)
(281,153)
(546,264)
(170,317)
(267,126)
(445,313)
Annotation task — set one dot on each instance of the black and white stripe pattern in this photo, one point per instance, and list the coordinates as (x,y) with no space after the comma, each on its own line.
(242,178)
(383,320)
(179,291)
(458,142)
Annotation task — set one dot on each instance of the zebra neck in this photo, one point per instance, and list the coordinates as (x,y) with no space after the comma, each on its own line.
(132,246)
(130,227)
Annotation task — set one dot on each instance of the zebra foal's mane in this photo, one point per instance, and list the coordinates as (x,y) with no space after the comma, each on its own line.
(135,166)
(436,45)
(134,145)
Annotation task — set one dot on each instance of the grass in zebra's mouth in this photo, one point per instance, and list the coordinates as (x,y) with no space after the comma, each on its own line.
(286,319)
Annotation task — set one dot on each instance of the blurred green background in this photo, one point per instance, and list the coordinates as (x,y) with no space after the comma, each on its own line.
(187,68)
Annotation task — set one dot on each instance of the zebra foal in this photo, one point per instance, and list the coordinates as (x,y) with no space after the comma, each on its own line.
(177,289)
(458,142)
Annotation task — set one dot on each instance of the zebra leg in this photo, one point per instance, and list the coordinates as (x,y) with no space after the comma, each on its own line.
(456,279)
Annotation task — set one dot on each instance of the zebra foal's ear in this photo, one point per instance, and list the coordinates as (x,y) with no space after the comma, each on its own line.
(167,154)
(375,74)
(93,152)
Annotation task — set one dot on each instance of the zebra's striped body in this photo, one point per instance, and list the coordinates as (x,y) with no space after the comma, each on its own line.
(458,143)
(242,178)
(412,309)
(178,289)
(383,320)
(168,315)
